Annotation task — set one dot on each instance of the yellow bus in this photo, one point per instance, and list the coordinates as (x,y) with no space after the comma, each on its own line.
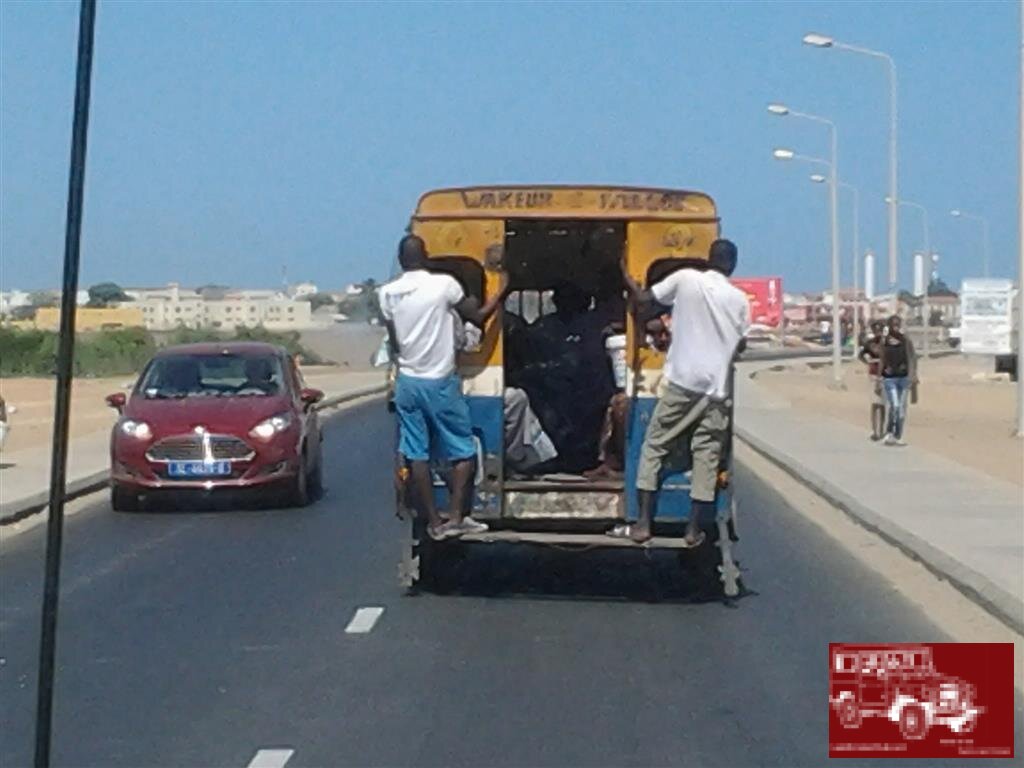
(555,241)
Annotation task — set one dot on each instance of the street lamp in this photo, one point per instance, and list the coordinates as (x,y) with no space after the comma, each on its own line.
(782,110)
(816,40)
(958,214)
(817,178)
(928,256)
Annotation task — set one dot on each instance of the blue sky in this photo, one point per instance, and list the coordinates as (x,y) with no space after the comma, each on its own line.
(230,139)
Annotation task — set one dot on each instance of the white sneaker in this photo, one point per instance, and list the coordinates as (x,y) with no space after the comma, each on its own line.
(899,441)
(889,439)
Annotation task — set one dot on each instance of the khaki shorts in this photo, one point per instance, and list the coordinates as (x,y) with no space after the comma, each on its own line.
(678,416)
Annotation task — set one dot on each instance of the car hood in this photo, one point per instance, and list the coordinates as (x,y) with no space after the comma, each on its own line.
(229,415)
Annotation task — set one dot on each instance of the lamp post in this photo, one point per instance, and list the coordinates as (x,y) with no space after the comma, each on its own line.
(958,214)
(781,110)
(823,41)
(817,178)
(928,261)
(1020,244)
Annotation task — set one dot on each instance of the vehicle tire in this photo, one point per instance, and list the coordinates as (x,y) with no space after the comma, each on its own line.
(298,489)
(701,566)
(315,480)
(914,722)
(440,564)
(848,713)
(123,500)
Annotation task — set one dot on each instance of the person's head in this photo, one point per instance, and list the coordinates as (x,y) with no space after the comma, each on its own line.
(570,299)
(412,252)
(877,327)
(722,256)
(659,329)
(895,324)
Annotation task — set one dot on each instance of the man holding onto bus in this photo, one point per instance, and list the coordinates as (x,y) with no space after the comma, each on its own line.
(417,309)
(710,318)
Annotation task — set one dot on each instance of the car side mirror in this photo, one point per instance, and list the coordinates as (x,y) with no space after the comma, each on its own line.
(310,396)
(117,401)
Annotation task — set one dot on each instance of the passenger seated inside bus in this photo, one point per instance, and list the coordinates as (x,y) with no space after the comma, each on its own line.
(569,299)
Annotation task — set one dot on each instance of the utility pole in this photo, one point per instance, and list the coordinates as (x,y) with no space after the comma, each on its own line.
(65,371)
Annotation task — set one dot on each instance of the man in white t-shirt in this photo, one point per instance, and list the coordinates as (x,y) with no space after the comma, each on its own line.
(710,318)
(417,308)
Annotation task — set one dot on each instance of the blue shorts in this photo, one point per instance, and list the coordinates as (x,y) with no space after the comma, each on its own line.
(433,413)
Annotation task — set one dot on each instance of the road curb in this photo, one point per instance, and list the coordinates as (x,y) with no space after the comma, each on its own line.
(96,481)
(978,588)
(37,502)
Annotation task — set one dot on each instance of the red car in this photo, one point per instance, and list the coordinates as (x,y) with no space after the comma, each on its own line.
(208,416)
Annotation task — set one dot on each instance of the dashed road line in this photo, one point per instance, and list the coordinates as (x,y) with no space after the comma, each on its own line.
(270,758)
(363,620)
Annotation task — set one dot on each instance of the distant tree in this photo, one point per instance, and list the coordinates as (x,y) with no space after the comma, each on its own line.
(212,291)
(317,300)
(372,300)
(938,287)
(105,294)
(38,299)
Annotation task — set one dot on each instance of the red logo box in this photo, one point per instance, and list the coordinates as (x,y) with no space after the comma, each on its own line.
(920,700)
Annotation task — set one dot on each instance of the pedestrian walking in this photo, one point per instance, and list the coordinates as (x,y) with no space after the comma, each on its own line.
(898,363)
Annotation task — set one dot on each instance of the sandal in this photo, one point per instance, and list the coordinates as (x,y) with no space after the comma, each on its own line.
(625,531)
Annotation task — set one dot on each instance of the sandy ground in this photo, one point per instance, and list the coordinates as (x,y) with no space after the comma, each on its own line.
(32,424)
(963,413)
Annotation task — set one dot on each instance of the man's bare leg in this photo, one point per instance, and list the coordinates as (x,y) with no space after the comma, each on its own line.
(697,509)
(424,487)
(462,479)
(878,421)
(640,531)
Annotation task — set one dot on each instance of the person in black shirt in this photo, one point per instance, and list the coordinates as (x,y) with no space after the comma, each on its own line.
(899,371)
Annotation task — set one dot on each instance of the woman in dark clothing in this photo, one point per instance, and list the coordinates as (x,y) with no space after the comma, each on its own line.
(899,372)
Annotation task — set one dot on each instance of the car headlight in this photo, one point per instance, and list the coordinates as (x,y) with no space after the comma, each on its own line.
(267,428)
(138,429)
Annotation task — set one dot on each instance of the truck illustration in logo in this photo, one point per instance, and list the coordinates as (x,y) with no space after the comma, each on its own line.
(901,685)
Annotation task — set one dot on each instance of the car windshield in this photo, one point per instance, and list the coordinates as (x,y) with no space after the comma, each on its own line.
(222,375)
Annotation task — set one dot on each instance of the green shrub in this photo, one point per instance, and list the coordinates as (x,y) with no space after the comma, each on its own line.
(116,352)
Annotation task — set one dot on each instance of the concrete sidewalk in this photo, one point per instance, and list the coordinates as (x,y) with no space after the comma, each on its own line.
(965,526)
(25,475)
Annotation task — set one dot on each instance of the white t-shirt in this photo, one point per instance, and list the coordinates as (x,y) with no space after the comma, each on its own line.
(709,318)
(419,305)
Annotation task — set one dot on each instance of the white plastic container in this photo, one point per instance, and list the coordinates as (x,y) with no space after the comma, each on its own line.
(615,346)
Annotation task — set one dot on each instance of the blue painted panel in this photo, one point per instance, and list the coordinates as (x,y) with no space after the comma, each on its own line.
(674,497)
(487,415)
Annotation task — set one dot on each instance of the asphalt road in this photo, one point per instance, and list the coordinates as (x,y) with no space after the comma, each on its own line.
(196,639)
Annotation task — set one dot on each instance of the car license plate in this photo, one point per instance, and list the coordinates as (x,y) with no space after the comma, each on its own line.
(198,468)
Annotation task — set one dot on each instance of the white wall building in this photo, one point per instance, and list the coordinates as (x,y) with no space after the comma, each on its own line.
(13,299)
(164,309)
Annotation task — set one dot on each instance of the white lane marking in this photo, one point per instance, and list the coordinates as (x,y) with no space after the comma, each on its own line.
(270,758)
(363,621)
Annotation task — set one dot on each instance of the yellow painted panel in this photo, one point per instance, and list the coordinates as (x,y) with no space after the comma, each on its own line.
(646,243)
(480,240)
(568,202)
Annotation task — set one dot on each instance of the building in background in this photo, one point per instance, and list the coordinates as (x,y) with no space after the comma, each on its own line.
(87,319)
(171,307)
